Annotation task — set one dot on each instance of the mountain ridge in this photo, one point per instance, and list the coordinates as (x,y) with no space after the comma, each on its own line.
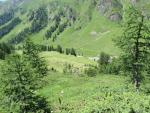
(89,26)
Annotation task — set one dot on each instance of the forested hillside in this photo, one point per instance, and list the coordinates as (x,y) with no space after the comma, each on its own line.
(75,56)
(86,25)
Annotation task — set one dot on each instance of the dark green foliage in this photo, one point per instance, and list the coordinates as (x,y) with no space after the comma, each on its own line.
(6,29)
(20,81)
(67,51)
(71,51)
(5,49)
(114,67)
(36,104)
(146,88)
(31,52)
(135,43)
(7,16)
(91,71)
(20,37)
(103,62)
(51,48)
(104,59)
(62,27)
(61,19)
(57,26)
(148,66)
(71,69)
(109,65)
(50,31)
(2,54)
(59,49)
(39,19)
(68,68)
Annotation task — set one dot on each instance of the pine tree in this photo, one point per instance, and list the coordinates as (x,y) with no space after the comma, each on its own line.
(31,52)
(20,82)
(135,44)
(59,49)
(73,52)
(67,51)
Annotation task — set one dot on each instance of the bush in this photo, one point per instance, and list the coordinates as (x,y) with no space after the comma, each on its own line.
(104,59)
(108,65)
(68,68)
(91,71)
(5,49)
(103,62)
(114,67)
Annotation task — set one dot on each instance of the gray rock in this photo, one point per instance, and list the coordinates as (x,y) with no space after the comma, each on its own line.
(115,17)
(107,7)
(133,2)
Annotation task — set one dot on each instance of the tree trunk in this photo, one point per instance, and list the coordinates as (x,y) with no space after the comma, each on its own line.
(136,66)
(137,84)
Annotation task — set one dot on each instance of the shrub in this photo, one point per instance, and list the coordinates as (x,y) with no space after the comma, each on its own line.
(104,60)
(91,71)
(108,65)
(5,49)
(68,68)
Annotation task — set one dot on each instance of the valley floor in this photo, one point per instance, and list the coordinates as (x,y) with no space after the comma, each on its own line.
(78,93)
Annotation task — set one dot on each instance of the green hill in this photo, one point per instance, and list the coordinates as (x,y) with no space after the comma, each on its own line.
(74,83)
(89,26)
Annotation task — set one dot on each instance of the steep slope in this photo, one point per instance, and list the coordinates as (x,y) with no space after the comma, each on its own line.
(89,26)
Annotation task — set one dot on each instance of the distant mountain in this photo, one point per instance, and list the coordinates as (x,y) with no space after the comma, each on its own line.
(86,25)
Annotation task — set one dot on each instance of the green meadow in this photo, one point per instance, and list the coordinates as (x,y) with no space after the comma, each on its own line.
(67,87)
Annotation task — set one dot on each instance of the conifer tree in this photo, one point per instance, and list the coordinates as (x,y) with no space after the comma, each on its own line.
(20,83)
(135,44)
(31,52)
(73,52)
(59,49)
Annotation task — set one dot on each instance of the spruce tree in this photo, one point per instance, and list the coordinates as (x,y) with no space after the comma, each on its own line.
(135,44)
(59,49)
(31,52)
(73,52)
(20,83)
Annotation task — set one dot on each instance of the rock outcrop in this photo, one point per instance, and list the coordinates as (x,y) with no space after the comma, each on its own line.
(111,9)
(133,1)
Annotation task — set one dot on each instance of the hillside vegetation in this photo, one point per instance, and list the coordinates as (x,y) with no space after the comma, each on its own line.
(75,56)
(86,25)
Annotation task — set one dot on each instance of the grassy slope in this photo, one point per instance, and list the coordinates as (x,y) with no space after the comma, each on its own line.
(58,61)
(82,40)
(85,94)
(82,94)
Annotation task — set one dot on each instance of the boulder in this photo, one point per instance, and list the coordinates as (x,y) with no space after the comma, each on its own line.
(115,17)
